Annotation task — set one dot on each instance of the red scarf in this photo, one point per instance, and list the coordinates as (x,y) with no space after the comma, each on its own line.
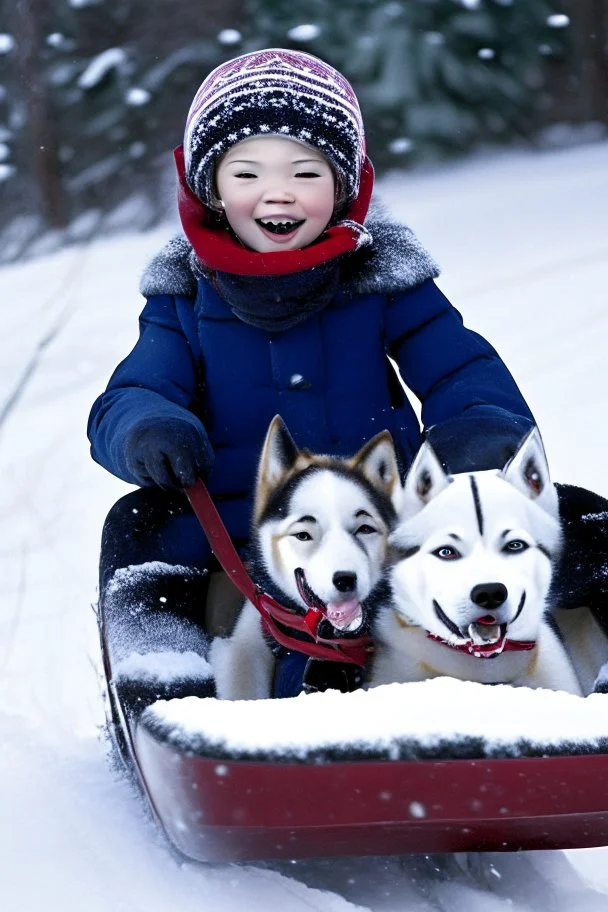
(220,251)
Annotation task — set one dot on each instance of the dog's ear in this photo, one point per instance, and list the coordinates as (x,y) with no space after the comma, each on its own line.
(279,455)
(425,479)
(528,471)
(378,462)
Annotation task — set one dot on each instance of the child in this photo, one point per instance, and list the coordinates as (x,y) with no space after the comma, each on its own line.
(282,298)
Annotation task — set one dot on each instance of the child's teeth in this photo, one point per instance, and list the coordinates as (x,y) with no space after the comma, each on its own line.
(279,226)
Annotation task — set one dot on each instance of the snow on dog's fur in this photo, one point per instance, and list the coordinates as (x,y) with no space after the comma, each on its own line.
(319,537)
(472,568)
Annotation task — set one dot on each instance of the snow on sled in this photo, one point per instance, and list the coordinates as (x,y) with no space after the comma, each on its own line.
(438,766)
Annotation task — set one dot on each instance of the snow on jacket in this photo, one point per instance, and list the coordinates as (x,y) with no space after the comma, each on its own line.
(329,377)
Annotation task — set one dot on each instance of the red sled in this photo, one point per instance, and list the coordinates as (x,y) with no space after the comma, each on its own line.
(216,803)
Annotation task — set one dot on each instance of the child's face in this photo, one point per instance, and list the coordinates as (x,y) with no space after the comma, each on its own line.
(277,194)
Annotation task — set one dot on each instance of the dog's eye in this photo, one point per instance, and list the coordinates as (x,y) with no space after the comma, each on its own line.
(302,536)
(446,552)
(365,530)
(516,546)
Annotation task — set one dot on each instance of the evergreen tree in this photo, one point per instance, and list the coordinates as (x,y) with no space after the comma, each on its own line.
(93,93)
(434,77)
(122,76)
(118,77)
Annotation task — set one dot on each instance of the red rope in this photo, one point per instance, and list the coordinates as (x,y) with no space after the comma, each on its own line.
(354,651)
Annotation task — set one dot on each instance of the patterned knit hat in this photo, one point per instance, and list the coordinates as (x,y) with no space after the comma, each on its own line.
(274,92)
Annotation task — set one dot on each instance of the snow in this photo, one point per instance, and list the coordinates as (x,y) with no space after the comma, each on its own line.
(306,32)
(7,43)
(112,58)
(522,240)
(427,713)
(229,36)
(558,20)
(55,39)
(137,97)
(162,667)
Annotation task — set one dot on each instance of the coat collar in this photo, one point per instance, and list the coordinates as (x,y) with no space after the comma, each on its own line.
(394,262)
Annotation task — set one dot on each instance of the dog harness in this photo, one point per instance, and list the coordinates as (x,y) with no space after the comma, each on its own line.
(279,622)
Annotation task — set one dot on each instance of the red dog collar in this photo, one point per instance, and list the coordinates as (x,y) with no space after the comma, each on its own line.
(486,651)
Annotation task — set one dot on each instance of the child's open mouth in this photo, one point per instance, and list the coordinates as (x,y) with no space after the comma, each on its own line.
(279,226)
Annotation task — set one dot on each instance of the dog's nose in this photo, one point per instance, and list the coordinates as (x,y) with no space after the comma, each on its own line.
(344,582)
(489,596)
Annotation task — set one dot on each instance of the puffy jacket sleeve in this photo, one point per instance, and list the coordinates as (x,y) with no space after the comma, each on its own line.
(157,379)
(461,381)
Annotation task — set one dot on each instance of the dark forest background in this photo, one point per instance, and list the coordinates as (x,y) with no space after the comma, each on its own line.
(94,93)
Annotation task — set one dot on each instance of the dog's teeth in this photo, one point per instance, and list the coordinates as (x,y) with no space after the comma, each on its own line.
(482,634)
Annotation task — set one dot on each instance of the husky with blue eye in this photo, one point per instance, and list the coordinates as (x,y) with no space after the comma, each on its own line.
(472,559)
(319,540)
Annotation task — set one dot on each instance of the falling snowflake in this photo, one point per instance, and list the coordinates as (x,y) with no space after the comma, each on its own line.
(417,809)
(7,43)
(306,32)
(137,96)
(558,20)
(136,150)
(400,145)
(229,36)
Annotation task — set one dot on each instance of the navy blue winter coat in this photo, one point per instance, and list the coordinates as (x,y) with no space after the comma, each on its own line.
(329,377)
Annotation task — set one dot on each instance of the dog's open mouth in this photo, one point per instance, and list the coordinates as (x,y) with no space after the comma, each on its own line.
(276,226)
(345,615)
(486,632)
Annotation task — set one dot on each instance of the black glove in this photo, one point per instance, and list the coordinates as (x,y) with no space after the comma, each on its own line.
(168,452)
(478,440)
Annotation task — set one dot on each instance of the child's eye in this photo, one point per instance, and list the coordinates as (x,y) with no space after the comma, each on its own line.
(307,174)
(245,174)
(302,536)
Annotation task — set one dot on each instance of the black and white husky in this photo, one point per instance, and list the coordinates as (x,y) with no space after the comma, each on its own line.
(470,579)
(319,539)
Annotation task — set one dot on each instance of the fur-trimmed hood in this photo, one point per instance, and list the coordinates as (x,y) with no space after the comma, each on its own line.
(393,261)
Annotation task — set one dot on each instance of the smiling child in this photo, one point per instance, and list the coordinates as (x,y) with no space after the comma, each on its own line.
(283,297)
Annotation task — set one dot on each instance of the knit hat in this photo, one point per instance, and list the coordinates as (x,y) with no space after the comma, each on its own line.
(274,92)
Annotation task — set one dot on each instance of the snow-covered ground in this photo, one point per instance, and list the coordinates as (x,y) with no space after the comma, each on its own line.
(524,248)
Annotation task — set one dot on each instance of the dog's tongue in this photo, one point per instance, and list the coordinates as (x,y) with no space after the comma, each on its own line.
(345,615)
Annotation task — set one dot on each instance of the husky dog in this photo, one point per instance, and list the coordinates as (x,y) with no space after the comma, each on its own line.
(319,539)
(470,579)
